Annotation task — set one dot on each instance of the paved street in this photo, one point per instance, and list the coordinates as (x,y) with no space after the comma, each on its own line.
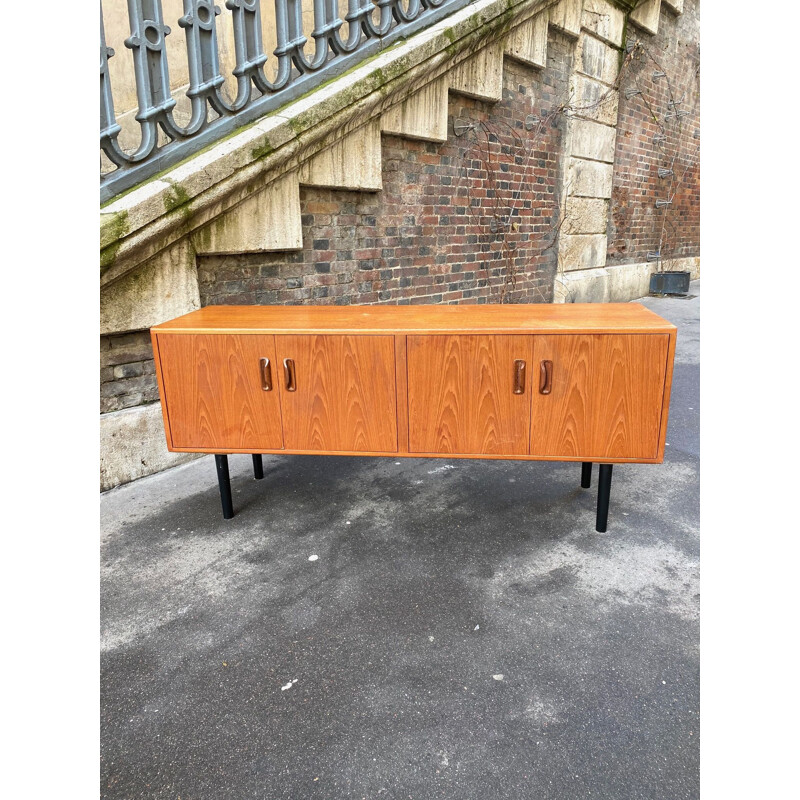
(463,631)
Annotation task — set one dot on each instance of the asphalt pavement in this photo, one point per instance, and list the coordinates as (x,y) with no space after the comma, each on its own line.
(407,628)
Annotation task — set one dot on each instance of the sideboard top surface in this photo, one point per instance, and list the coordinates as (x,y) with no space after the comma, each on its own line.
(428,319)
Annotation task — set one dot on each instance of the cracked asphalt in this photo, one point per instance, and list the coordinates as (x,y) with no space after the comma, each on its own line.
(463,632)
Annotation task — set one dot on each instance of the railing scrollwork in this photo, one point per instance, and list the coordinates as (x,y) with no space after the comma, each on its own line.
(372,24)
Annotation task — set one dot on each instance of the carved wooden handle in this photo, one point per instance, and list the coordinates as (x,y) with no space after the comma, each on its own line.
(266,374)
(519,376)
(546,377)
(288,368)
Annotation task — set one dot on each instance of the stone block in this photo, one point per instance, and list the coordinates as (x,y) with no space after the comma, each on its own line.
(421,116)
(605,20)
(629,281)
(266,221)
(646,15)
(353,162)
(594,100)
(480,76)
(589,178)
(132,445)
(164,287)
(566,16)
(581,251)
(528,42)
(675,5)
(581,286)
(597,60)
(585,215)
(588,139)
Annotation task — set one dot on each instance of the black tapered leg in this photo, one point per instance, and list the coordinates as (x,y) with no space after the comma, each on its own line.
(603,496)
(258,466)
(586,474)
(224,486)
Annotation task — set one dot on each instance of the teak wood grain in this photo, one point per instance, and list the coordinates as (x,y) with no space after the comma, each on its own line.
(365,320)
(419,381)
(461,394)
(212,390)
(345,398)
(401,373)
(606,398)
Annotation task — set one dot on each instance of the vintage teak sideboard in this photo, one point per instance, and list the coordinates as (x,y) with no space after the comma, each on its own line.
(575,382)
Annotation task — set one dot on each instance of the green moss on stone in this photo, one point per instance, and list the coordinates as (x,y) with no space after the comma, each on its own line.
(112,230)
(262,151)
(176,197)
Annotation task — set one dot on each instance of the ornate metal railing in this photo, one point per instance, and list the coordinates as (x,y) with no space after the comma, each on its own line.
(373,24)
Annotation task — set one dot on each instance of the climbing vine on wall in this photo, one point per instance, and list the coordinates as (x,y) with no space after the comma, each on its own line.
(653,198)
(517,224)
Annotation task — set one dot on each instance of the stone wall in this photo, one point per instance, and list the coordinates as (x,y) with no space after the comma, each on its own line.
(636,226)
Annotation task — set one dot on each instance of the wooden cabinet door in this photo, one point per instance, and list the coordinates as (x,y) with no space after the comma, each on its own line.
(214,386)
(342,393)
(606,392)
(461,394)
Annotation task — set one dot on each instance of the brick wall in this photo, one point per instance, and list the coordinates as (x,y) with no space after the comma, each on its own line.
(127,371)
(636,226)
(427,236)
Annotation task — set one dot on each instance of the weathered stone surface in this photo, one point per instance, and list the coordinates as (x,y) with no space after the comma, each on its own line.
(266,221)
(629,281)
(604,19)
(646,15)
(566,16)
(592,140)
(585,215)
(232,154)
(675,5)
(353,162)
(132,444)
(581,251)
(136,208)
(480,76)
(613,284)
(581,286)
(594,100)
(528,42)
(421,116)
(597,60)
(163,288)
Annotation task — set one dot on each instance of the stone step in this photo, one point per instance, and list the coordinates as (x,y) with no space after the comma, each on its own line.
(481,76)
(267,220)
(528,42)
(421,116)
(353,162)
(646,15)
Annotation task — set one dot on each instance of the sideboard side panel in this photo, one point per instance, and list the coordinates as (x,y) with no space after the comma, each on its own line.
(161,390)
(662,438)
